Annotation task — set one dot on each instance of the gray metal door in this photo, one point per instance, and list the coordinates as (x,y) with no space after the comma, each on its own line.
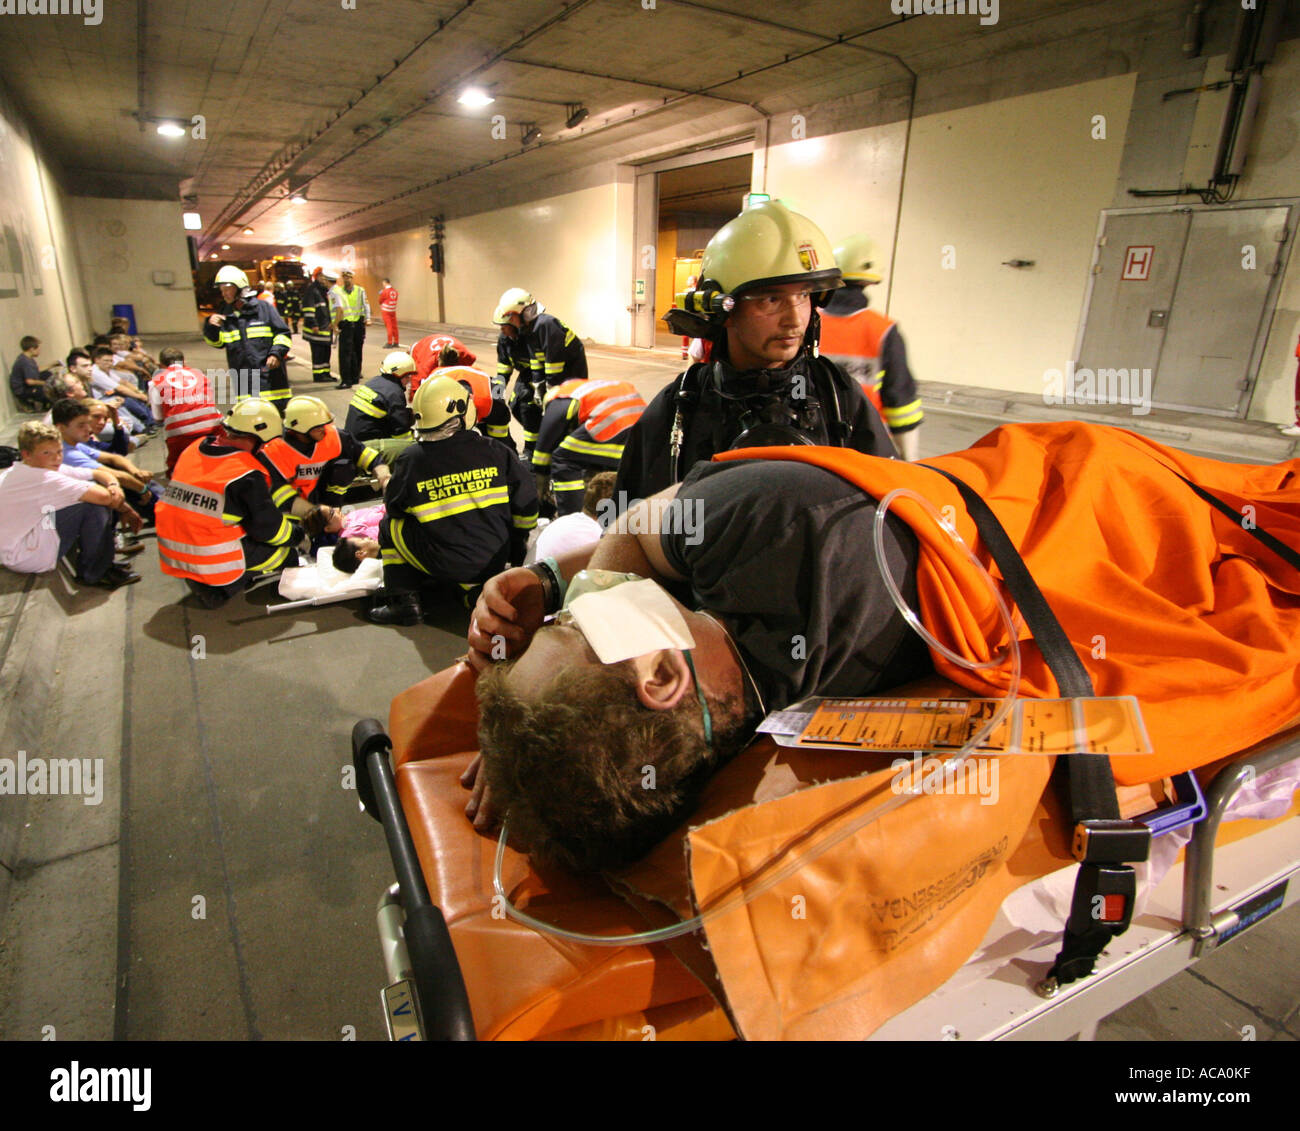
(641,295)
(1133,289)
(1228,268)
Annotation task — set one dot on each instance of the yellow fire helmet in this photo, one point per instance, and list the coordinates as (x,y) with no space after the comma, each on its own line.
(399,363)
(440,400)
(302,414)
(859,260)
(764,246)
(233,276)
(515,301)
(252,416)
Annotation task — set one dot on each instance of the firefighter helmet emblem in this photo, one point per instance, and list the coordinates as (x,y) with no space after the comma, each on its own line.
(807,256)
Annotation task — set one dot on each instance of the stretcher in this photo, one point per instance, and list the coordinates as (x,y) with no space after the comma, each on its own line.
(959,958)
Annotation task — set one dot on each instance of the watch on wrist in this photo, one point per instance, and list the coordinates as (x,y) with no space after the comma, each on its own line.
(548,571)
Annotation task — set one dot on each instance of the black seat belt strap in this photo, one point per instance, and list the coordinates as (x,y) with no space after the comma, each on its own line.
(1104,844)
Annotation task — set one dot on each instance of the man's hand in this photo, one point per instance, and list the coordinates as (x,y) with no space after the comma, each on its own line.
(479,809)
(130,518)
(139,473)
(383,475)
(508,612)
(272,362)
(216,319)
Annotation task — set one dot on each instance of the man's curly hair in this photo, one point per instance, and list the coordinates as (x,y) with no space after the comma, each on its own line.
(586,776)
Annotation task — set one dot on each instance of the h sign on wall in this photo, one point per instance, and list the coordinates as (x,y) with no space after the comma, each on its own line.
(1137,262)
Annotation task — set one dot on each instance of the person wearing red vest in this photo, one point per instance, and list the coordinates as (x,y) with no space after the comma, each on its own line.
(435,352)
(182,399)
(493,412)
(388,308)
(217,524)
(584,426)
(869,346)
(316,460)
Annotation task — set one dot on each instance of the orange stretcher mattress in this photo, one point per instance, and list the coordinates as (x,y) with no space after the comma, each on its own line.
(871,927)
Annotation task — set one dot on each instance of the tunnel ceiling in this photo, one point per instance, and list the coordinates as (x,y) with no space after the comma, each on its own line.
(356,101)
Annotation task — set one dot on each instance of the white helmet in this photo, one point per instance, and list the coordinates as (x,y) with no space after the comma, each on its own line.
(232,275)
(303,413)
(252,416)
(515,301)
(399,363)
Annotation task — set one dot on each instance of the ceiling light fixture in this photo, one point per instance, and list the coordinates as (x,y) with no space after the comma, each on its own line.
(171,129)
(225,247)
(248,231)
(577,115)
(193,221)
(531,134)
(475,96)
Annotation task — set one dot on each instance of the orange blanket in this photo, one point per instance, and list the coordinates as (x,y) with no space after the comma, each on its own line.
(1163,597)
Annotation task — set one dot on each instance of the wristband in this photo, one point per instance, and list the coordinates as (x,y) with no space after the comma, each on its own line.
(548,570)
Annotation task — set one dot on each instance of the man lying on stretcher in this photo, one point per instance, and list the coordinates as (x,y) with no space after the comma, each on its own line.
(782,566)
(1189,605)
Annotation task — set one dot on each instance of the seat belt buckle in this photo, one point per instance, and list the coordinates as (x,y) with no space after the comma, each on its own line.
(1111,842)
(1103,897)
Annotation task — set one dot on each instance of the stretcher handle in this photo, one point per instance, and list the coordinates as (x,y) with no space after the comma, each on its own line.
(439,985)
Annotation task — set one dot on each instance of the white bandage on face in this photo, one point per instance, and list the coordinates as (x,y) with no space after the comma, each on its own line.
(623,616)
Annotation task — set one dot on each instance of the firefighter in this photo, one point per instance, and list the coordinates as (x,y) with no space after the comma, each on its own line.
(351,313)
(493,414)
(217,525)
(762,279)
(583,428)
(315,459)
(869,347)
(254,336)
(459,505)
(438,350)
(543,350)
(290,305)
(318,323)
(378,414)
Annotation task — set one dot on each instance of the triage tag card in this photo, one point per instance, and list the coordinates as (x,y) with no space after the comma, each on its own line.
(1033,726)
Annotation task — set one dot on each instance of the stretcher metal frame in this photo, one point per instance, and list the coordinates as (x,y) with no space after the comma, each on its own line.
(417,947)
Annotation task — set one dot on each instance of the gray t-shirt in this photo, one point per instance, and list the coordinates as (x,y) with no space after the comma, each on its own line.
(784,553)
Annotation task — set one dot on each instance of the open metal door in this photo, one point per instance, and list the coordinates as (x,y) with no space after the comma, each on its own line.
(641,299)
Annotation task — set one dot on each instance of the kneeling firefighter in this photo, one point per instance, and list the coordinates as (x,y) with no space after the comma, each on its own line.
(317,461)
(763,278)
(378,414)
(217,524)
(459,505)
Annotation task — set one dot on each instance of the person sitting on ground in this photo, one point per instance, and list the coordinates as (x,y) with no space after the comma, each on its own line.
(581,529)
(106,431)
(106,380)
(74,422)
(48,511)
(27,379)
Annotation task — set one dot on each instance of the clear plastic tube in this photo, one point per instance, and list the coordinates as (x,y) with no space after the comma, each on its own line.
(830,839)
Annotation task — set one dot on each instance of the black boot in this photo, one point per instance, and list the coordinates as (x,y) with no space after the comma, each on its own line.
(400,608)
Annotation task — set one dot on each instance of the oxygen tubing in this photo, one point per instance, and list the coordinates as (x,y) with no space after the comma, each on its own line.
(830,840)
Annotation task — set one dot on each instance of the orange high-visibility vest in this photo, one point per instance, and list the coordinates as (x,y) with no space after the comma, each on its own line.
(303,471)
(197,539)
(1162,596)
(858,336)
(605,408)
